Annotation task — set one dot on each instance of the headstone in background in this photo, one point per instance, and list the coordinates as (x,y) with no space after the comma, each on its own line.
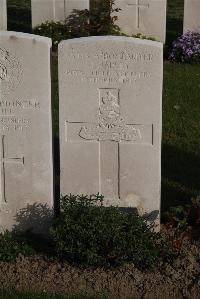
(110,120)
(42,11)
(55,10)
(142,16)
(3,15)
(26,175)
(70,5)
(192,15)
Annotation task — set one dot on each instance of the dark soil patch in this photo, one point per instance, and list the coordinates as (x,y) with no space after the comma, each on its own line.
(180,279)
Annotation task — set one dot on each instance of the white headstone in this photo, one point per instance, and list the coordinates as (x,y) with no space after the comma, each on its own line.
(142,16)
(110,120)
(192,15)
(70,5)
(3,15)
(55,10)
(26,175)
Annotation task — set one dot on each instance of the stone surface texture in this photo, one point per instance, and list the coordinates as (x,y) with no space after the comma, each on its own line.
(110,120)
(55,10)
(3,15)
(142,16)
(26,175)
(192,15)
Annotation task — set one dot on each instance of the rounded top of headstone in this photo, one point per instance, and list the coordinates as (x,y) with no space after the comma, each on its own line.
(27,36)
(111,38)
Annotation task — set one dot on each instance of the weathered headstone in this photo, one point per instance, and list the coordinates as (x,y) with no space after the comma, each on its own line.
(26,175)
(192,15)
(3,15)
(142,16)
(55,10)
(110,120)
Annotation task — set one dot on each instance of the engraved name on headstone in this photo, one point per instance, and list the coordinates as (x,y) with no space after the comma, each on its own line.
(3,15)
(26,171)
(142,16)
(192,15)
(110,120)
(55,10)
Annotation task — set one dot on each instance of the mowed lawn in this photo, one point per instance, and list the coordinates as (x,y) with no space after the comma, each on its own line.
(181,110)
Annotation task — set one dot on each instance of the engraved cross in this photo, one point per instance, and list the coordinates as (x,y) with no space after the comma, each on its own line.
(5,160)
(138,6)
(110,131)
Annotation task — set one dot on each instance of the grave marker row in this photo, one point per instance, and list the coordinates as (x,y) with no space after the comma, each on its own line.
(55,10)
(136,16)
(110,122)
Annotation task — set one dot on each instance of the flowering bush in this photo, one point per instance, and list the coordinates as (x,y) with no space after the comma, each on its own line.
(186,48)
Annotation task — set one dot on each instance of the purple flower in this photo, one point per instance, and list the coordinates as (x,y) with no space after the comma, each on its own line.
(186,47)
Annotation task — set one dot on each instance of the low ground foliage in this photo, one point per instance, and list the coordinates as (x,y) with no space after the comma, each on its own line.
(11,245)
(88,233)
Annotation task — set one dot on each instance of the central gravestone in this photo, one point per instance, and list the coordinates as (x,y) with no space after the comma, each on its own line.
(110,120)
(26,171)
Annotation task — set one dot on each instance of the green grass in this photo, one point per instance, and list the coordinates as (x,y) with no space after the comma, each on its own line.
(13,294)
(181,137)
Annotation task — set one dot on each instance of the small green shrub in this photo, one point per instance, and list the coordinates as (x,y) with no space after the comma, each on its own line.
(11,245)
(88,233)
(100,20)
(57,31)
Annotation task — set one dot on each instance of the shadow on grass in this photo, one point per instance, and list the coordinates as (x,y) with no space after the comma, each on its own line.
(180,176)
(174,30)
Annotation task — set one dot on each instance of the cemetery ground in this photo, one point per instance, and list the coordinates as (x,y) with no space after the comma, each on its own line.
(178,278)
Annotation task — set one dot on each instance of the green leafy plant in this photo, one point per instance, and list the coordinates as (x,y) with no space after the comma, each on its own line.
(88,233)
(11,245)
(103,17)
(57,31)
(99,20)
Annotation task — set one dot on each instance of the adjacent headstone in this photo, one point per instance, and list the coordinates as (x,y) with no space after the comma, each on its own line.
(142,16)
(26,175)
(192,15)
(55,10)
(110,120)
(3,15)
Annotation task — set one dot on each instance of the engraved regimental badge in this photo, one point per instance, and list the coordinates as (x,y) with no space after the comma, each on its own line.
(111,125)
